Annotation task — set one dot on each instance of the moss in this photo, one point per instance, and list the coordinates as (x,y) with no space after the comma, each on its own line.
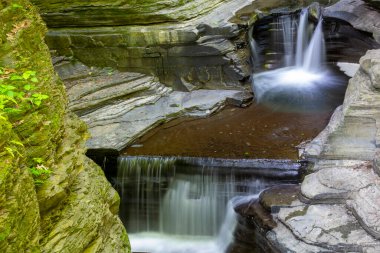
(58,137)
(297,213)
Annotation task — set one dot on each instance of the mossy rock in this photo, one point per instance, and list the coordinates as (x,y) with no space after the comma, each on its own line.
(57,137)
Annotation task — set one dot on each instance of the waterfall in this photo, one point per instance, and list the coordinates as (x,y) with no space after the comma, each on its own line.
(301,37)
(308,55)
(303,83)
(169,202)
(315,53)
(287,25)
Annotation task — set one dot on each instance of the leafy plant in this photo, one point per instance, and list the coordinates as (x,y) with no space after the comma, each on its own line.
(39,171)
(17,92)
(18,96)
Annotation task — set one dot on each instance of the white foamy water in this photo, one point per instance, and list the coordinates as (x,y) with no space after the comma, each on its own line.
(173,208)
(304,84)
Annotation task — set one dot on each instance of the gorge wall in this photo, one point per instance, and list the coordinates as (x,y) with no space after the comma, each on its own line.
(97,49)
(187,44)
(75,209)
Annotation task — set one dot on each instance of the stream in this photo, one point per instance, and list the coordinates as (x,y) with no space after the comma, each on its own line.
(181,183)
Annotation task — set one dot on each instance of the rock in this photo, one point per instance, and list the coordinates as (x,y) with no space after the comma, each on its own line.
(104,87)
(19,218)
(328,226)
(348,68)
(106,13)
(75,209)
(114,127)
(374,3)
(376,163)
(119,107)
(370,64)
(358,14)
(314,148)
(341,196)
(335,184)
(283,240)
(255,215)
(279,196)
(198,50)
(365,205)
(352,132)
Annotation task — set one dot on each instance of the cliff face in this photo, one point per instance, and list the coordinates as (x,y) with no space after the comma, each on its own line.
(187,44)
(75,209)
(121,12)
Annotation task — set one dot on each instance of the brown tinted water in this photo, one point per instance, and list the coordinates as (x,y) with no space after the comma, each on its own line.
(253,132)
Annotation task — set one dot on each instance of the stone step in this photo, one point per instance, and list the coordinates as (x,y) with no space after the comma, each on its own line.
(115,127)
(365,205)
(283,240)
(97,92)
(335,184)
(327,226)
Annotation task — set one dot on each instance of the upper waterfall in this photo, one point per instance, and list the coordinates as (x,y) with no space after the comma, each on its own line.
(304,82)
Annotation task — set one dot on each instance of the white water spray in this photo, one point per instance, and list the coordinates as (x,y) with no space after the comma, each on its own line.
(173,208)
(304,83)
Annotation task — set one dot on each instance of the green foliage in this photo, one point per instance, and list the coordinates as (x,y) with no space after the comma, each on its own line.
(39,172)
(17,94)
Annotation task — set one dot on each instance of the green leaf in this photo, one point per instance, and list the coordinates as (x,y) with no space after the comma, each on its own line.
(17,143)
(34,79)
(16,6)
(40,96)
(15,77)
(38,160)
(27,87)
(10,151)
(37,102)
(27,74)
(10,94)
(5,87)
(20,94)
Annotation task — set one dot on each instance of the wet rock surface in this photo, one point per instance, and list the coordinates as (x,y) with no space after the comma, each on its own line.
(340,204)
(256,217)
(358,14)
(118,107)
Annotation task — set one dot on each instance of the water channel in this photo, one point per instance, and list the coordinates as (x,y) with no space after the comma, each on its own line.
(174,200)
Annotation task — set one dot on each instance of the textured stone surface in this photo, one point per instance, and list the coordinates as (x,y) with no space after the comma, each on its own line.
(284,241)
(121,127)
(342,194)
(365,205)
(335,184)
(200,49)
(352,133)
(19,218)
(329,226)
(121,12)
(358,14)
(75,209)
(349,69)
(279,196)
(119,107)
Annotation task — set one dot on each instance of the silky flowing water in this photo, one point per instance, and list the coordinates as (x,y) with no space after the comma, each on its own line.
(182,205)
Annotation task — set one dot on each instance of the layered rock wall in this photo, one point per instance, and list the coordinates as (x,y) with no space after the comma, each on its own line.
(75,209)
(187,44)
